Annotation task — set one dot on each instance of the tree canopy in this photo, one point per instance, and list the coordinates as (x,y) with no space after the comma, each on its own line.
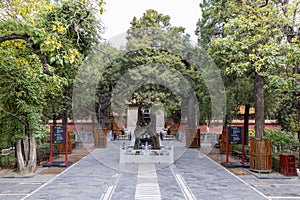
(40,45)
(247,41)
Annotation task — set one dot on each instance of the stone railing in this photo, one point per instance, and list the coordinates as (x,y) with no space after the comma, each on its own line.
(130,155)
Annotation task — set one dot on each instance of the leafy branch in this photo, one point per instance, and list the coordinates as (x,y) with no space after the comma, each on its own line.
(36,48)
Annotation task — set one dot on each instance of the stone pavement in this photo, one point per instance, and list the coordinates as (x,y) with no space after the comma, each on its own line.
(192,176)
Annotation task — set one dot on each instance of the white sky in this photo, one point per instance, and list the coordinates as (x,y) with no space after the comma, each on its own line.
(119,14)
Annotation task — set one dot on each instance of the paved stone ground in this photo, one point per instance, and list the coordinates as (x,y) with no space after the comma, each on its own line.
(193,176)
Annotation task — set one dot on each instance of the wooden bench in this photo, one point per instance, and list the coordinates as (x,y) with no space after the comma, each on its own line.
(123,137)
(43,154)
(238,154)
(169,137)
(116,130)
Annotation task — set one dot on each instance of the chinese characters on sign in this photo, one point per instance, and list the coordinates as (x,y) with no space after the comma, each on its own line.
(235,134)
(59,135)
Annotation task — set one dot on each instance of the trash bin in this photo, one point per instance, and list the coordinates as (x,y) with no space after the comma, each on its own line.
(288,164)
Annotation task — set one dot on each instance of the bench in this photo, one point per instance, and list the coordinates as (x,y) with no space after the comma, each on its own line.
(169,137)
(238,154)
(123,137)
(43,154)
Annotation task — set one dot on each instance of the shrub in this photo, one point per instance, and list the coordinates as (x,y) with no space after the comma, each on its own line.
(7,160)
(282,141)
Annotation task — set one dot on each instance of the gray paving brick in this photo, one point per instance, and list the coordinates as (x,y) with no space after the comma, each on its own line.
(91,177)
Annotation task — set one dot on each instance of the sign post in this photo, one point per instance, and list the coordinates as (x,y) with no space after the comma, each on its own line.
(227,147)
(235,134)
(51,148)
(58,135)
(243,146)
(67,145)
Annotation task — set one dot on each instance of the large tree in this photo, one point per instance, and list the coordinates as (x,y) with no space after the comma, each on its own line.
(153,41)
(239,89)
(34,47)
(81,33)
(252,45)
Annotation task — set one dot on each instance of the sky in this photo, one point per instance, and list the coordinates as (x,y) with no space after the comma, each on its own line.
(119,14)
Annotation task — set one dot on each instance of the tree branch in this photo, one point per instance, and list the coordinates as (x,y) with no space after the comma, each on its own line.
(253,5)
(36,48)
(77,26)
(14,37)
(264,4)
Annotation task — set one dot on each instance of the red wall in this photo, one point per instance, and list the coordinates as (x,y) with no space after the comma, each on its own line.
(88,127)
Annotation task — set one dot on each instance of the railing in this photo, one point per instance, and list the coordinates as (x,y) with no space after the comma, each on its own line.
(130,155)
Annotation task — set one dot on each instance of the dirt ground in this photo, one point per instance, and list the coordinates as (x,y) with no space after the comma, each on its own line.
(77,153)
(213,153)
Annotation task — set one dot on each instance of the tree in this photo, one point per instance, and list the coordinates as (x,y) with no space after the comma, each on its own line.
(252,45)
(150,69)
(28,45)
(77,20)
(209,27)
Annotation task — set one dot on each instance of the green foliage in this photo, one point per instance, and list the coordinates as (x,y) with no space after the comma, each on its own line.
(282,141)
(7,160)
(244,38)
(239,89)
(153,41)
(42,135)
(276,161)
(39,39)
(251,133)
(24,87)
(155,55)
(77,31)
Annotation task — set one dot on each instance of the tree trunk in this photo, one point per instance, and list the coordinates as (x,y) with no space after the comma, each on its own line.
(65,116)
(93,120)
(26,153)
(54,117)
(259,106)
(224,123)
(191,118)
(246,124)
(298,123)
(101,107)
(152,128)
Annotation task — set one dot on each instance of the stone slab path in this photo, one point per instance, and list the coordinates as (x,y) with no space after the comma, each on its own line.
(192,176)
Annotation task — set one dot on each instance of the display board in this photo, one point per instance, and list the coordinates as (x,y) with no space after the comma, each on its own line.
(58,135)
(235,134)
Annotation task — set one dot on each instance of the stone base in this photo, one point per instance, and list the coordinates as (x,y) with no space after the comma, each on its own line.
(147,156)
(58,164)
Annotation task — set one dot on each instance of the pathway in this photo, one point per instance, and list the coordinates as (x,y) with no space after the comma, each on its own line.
(100,176)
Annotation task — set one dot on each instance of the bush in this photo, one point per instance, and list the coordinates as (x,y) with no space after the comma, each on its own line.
(7,160)
(46,148)
(275,162)
(251,133)
(282,141)
(42,135)
(43,152)
(238,147)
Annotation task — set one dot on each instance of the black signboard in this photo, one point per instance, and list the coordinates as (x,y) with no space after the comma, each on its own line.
(235,134)
(58,135)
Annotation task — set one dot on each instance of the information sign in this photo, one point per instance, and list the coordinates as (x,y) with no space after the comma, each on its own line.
(59,135)
(235,134)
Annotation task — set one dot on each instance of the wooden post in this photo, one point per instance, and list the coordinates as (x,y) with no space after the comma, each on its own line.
(227,147)
(243,145)
(51,147)
(100,139)
(260,155)
(192,138)
(67,144)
